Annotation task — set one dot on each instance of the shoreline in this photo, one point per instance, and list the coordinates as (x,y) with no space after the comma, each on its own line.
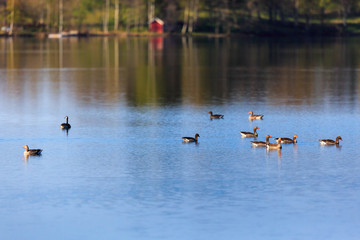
(250,30)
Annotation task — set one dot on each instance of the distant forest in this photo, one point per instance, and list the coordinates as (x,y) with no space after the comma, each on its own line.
(181,16)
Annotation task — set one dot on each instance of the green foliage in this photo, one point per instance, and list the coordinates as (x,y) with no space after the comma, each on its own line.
(209,16)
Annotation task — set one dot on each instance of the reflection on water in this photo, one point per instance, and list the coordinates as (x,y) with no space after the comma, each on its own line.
(172,70)
(26,157)
(122,168)
(66,130)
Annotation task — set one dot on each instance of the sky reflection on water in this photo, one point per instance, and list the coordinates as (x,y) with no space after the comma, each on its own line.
(122,170)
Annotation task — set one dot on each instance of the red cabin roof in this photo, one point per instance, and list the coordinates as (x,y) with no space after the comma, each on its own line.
(156,25)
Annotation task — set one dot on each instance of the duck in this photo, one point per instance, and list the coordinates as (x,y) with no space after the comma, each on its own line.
(287,140)
(31,152)
(260,143)
(250,134)
(191,139)
(271,146)
(65,125)
(330,141)
(254,116)
(215,116)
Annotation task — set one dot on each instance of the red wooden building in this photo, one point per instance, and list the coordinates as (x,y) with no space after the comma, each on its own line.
(156,25)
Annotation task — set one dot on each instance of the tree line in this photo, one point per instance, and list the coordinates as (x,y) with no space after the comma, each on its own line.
(183,16)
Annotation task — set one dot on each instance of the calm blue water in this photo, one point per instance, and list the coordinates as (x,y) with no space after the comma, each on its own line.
(122,171)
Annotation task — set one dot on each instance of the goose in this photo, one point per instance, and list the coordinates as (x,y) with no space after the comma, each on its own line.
(271,146)
(191,139)
(330,142)
(65,125)
(31,152)
(218,116)
(254,116)
(287,140)
(250,134)
(260,143)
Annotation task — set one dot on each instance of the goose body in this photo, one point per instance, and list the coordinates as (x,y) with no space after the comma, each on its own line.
(250,134)
(191,139)
(254,116)
(330,141)
(65,125)
(260,143)
(287,140)
(271,146)
(31,152)
(215,116)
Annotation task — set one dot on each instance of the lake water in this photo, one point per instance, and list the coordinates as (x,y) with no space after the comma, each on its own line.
(122,171)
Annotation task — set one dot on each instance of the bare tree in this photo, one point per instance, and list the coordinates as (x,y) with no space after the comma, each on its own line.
(128,16)
(116,15)
(190,15)
(296,12)
(106,16)
(151,10)
(186,17)
(12,17)
(48,16)
(345,5)
(137,15)
(61,16)
(225,16)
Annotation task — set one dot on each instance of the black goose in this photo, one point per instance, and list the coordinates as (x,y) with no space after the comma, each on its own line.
(65,125)
(191,139)
(215,116)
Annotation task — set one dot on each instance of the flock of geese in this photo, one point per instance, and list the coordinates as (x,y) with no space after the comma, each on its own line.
(267,143)
(252,116)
